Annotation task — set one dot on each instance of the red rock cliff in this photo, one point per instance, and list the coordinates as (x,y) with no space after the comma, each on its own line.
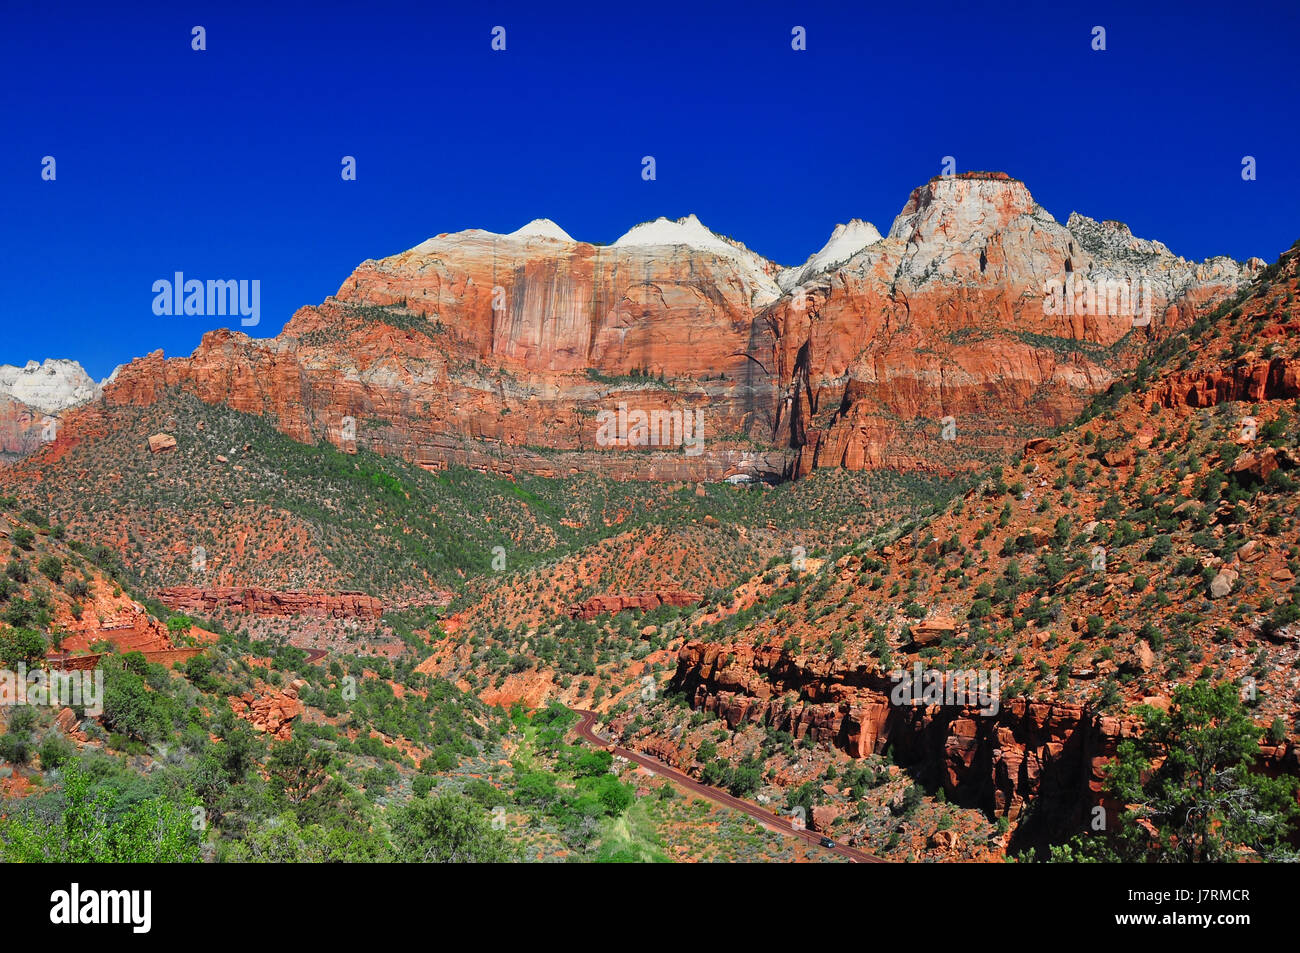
(501,351)
(1027,751)
(342,605)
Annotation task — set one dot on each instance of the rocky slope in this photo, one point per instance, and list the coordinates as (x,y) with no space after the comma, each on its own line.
(69,591)
(501,352)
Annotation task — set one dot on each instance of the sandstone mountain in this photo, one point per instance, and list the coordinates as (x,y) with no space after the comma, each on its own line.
(33,397)
(500,352)
(1148,545)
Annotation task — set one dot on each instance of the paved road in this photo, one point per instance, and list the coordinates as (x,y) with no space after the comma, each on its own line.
(585,728)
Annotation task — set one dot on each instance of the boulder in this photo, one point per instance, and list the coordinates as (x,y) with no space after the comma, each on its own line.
(823,816)
(944,840)
(1250,551)
(1258,465)
(932,631)
(1222,583)
(1143,657)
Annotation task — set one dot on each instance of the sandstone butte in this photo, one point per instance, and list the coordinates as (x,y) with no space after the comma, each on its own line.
(473,348)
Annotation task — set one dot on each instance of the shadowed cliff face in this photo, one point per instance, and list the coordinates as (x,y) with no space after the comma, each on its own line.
(500,351)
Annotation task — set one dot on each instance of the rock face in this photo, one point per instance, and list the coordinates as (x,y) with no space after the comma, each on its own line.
(1051,753)
(505,352)
(22,429)
(127,625)
(1246,380)
(49,387)
(32,400)
(341,605)
(975,307)
(999,762)
(645,601)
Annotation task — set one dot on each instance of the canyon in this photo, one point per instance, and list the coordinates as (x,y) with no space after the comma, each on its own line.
(1051,754)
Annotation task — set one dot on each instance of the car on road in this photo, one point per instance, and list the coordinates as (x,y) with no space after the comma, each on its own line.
(826,842)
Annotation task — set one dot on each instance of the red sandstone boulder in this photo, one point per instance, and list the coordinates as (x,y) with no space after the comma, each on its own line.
(823,816)
(1258,465)
(932,630)
(944,840)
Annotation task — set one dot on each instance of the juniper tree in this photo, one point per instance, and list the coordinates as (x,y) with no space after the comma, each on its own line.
(1189,789)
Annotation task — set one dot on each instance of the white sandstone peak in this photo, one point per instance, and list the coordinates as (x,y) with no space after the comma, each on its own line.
(688,231)
(542,228)
(692,233)
(845,242)
(1113,238)
(51,386)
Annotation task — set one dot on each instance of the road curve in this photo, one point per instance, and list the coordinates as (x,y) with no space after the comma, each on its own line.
(586,730)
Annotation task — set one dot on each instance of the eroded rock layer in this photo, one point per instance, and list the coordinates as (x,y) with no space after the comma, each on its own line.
(341,605)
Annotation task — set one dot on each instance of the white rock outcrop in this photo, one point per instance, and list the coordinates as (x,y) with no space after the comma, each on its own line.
(51,386)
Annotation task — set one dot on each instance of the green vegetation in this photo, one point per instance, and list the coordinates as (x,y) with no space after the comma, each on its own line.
(88,827)
(1190,772)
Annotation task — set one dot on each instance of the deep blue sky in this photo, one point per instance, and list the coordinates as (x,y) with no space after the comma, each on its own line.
(225,163)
